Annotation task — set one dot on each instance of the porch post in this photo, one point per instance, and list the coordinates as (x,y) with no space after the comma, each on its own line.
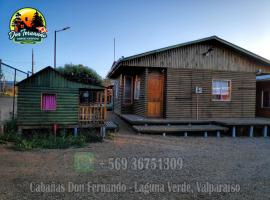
(251,131)
(102,131)
(205,134)
(75,132)
(265,130)
(218,134)
(234,131)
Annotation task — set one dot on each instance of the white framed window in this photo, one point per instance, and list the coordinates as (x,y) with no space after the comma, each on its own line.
(265,100)
(137,87)
(221,90)
(128,89)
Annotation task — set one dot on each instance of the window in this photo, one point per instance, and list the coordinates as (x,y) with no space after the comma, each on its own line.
(137,88)
(87,96)
(265,99)
(128,89)
(48,102)
(116,89)
(221,90)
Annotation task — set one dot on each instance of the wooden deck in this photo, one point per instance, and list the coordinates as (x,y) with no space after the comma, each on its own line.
(243,122)
(138,120)
(178,128)
(149,125)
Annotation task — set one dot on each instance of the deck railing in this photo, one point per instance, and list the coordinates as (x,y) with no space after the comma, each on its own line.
(94,113)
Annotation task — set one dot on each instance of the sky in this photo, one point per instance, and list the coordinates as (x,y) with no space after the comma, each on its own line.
(137,26)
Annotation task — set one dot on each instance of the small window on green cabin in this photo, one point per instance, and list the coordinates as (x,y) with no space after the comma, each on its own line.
(265,99)
(221,90)
(48,102)
(88,97)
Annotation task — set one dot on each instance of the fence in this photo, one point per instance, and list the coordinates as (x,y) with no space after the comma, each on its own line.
(9,77)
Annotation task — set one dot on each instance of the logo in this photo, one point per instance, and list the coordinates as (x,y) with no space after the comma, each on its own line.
(27,26)
(84,162)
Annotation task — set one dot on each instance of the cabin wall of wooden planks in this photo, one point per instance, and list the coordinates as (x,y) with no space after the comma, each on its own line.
(191,57)
(260,87)
(139,105)
(117,97)
(186,68)
(182,100)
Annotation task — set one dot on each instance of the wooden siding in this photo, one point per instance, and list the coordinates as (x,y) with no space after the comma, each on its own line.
(29,108)
(191,57)
(117,100)
(139,105)
(178,93)
(49,81)
(262,86)
(182,100)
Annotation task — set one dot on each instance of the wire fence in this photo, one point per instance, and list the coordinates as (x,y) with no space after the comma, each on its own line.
(9,77)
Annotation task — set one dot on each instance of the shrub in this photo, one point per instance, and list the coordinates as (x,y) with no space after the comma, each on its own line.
(44,138)
(49,142)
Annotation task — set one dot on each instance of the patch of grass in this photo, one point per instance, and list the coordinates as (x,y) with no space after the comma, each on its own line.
(44,138)
(91,134)
(110,136)
(2,141)
(49,141)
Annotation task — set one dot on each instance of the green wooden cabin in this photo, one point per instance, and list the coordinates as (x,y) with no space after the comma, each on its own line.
(47,98)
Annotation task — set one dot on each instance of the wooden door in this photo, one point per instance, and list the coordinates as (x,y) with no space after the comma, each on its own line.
(155,95)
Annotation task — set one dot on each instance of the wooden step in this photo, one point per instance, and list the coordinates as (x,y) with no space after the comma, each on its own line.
(138,120)
(177,128)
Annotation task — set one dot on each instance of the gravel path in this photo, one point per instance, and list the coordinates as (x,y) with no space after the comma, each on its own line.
(212,162)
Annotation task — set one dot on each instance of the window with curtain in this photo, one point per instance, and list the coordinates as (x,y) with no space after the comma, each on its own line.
(137,87)
(265,99)
(128,89)
(48,102)
(221,90)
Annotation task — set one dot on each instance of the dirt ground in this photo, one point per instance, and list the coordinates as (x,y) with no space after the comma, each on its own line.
(241,164)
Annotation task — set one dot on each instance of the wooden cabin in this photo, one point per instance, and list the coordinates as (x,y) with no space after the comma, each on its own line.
(202,79)
(263,96)
(47,98)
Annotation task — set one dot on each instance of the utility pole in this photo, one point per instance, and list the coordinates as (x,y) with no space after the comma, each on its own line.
(33,63)
(54,59)
(56,31)
(114,49)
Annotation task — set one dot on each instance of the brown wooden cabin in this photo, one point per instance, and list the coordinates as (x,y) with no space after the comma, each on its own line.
(263,96)
(48,98)
(206,78)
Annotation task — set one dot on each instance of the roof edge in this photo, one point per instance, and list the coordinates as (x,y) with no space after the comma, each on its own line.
(50,68)
(214,37)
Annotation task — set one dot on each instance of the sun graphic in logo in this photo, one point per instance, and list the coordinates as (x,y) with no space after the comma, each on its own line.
(27,25)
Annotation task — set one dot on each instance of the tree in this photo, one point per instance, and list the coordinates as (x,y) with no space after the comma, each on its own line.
(37,21)
(17,20)
(80,73)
